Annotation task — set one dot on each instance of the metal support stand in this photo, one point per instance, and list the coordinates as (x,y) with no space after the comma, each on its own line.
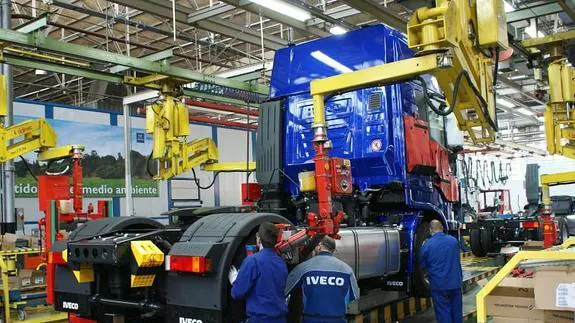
(10,219)
(128,160)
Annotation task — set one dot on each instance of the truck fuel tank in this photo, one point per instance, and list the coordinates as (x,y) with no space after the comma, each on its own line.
(370,252)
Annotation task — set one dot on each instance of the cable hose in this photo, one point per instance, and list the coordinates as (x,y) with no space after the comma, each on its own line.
(495,73)
(197,181)
(477,94)
(427,100)
(493,172)
(148,164)
(456,87)
(28,168)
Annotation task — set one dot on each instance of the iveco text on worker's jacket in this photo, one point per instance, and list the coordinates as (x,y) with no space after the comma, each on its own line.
(328,285)
(261,282)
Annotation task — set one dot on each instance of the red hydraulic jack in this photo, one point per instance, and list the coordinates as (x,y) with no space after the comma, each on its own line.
(54,200)
(332,176)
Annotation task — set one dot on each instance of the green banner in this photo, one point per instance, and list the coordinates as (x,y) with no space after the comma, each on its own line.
(103,163)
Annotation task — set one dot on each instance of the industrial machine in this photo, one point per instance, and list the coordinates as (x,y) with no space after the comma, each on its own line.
(374,183)
(559,130)
(60,199)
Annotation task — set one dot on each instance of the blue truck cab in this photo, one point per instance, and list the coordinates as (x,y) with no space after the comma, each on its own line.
(401,171)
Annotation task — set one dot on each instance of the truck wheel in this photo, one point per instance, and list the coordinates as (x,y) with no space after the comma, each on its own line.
(487,243)
(475,241)
(420,286)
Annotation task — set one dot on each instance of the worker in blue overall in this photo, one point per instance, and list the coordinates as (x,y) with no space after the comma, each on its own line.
(328,285)
(261,280)
(440,258)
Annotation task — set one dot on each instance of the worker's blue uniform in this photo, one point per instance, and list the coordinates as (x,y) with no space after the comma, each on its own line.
(261,282)
(328,285)
(439,256)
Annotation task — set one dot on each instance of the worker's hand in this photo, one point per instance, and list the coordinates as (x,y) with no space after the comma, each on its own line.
(233,274)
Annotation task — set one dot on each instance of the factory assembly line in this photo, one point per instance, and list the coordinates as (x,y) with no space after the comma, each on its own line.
(378,191)
(344,149)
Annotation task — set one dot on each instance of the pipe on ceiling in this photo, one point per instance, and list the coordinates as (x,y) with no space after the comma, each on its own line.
(221,107)
(223,123)
(131,43)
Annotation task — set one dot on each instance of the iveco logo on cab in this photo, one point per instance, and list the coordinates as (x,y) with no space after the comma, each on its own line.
(189,320)
(70,305)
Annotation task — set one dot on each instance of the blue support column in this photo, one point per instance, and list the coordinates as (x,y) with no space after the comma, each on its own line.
(116,207)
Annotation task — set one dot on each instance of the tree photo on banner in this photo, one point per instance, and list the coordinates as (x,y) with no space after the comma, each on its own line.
(103,162)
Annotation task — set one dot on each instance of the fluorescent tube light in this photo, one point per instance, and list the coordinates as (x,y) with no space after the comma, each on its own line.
(518,77)
(508,7)
(337,30)
(526,112)
(507,91)
(246,69)
(531,31)
(505,103)
(320,56)
(284,8)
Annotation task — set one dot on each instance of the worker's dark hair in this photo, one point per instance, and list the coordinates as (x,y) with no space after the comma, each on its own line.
(268,233)
(328,243)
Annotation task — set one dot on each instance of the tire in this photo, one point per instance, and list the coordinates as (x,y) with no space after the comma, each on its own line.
(420,286)
(475,241)
(487,243)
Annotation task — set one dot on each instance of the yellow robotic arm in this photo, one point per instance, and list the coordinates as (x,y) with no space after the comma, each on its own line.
(28,136)
(458,45)
(167,121)
(559,114)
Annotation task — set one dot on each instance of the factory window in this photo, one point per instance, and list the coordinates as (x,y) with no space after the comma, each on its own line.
(435,121)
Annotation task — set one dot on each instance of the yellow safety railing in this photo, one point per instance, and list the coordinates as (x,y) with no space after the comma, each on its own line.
(516,260)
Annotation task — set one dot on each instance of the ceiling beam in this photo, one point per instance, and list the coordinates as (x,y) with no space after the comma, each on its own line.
(510,83)
(533,11)
(569,8)
(276,16)
(209,12)
(379,12)
(40,41)
(163,9)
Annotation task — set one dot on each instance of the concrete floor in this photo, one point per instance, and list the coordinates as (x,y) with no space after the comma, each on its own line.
(429,317)
(471,267)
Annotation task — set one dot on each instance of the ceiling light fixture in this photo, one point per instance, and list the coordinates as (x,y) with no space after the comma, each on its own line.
(525,112)
(508,7)
(518,77)
(532,31)
(507,91)
(505,103)
(337,30)
(284,8)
